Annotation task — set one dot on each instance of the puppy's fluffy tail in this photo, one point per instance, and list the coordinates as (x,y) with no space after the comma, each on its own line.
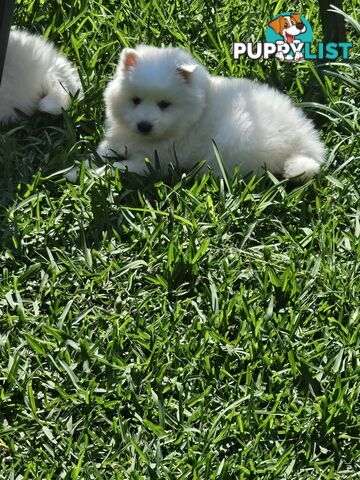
(61,81)
(301,166)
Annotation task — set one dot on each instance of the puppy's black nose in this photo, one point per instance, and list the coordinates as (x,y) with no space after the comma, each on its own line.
(144,127)
(300,26)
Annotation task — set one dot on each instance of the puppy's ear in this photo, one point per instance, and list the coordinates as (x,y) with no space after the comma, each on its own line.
(128,58)
(277,25)
(186,71)
(296,17)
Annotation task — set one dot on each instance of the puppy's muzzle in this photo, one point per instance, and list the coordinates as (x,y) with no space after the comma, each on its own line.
(144,127)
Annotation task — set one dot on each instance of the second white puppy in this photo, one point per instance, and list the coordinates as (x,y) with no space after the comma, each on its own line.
(36,77)
(162,100)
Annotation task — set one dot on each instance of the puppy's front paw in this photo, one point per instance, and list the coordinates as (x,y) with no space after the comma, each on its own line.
(53,104)
(73,174)
(111,151)
(135,165)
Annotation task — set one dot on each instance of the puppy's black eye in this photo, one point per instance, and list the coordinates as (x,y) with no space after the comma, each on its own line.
(136,100)
(163,104)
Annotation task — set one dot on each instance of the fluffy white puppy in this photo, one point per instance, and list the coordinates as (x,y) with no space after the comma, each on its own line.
(36,77)
(162,100)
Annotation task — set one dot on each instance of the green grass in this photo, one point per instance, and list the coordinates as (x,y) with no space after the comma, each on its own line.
(179,329)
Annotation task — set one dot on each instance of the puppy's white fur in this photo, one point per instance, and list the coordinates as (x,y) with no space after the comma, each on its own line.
(252,124)
(36,77)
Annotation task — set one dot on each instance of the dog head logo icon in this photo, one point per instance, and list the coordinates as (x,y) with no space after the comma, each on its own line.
(289,30)
(288,27)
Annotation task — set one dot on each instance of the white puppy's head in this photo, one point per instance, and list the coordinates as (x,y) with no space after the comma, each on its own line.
(157,93)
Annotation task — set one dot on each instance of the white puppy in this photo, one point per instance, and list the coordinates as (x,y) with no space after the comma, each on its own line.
(36,77)
(162,100)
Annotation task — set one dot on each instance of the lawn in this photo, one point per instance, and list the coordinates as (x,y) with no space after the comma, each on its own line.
(188,327)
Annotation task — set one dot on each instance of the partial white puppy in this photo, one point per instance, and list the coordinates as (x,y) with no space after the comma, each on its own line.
(36,77)
(163,100)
